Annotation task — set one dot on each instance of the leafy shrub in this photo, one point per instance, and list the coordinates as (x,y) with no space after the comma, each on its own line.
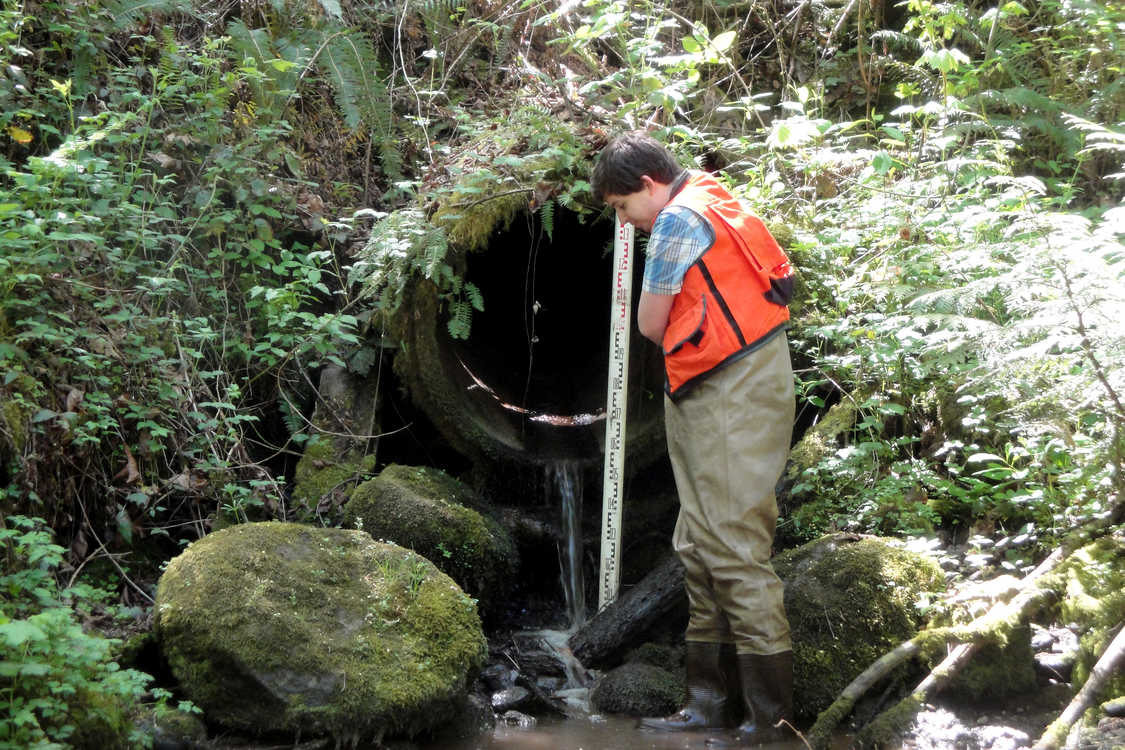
(59,686)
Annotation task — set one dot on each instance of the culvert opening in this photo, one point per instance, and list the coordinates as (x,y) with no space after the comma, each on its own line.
(535,366)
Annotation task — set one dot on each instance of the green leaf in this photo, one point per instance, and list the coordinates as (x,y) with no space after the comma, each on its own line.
(982,457)
(690,44)
(882,162)
(723,41)
(19,632)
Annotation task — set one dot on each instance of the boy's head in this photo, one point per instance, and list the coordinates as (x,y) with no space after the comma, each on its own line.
(633,175)
(627,159)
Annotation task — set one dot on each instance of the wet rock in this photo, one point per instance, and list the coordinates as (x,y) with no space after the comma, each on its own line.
(978,560)
(1109,734)
(548,684)
(498,676)
(639,690)
(278,627)
(442,519)
(1000,738)
(849,599)
(172,729)
(1052,666)
(474,717)
(516,719)
(1114,708)
(510,698)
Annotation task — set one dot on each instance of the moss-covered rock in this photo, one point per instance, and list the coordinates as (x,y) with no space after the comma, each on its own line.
(437,516)
(849,599)
(822,439)
(998,671)
(338,456)
(277,627)
(638,689)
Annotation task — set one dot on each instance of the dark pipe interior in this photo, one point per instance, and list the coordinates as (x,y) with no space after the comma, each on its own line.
(541,343)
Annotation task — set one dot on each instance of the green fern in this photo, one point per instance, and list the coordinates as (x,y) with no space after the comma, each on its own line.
(128,11)
(460,319)
(902,46)
(547,216)
(474,295)
(348,61)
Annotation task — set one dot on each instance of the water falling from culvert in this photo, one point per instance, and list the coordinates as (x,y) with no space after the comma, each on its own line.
(565,480)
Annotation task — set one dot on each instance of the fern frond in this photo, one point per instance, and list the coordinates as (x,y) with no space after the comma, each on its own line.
(460,319)
(902,46)
(348,61)
(129,11)
(926,81)
(547,216)
(476,299)
(332,8)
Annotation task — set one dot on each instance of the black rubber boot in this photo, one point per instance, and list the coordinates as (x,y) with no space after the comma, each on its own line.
(708,691)
(767,699)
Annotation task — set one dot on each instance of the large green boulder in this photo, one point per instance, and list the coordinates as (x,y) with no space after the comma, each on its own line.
(849,599)
(278,627)
(441,518)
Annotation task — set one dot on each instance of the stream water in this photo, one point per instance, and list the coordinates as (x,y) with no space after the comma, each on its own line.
(594,733)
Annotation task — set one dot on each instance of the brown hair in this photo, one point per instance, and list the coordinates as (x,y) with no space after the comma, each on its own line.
(629,157)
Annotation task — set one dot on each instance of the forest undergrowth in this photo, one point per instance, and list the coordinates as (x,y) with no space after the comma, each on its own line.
(201,207)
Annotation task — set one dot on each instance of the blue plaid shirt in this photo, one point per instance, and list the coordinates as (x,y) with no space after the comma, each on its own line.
(678,238)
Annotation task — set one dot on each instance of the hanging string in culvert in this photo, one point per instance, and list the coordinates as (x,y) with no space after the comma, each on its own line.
(530,303)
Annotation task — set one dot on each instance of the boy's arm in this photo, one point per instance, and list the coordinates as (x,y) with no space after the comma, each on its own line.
(652,315)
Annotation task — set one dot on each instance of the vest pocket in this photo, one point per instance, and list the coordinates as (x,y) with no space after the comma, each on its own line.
(687,328)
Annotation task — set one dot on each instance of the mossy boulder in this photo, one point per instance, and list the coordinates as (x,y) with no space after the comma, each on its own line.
(441,518)
(849,599)
(998,670)
(338,455)
(638,689)
(283,628)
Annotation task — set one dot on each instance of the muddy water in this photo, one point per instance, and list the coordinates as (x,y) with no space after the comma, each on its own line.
(593,733)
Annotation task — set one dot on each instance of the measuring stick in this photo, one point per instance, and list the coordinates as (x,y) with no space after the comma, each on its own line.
(618,386)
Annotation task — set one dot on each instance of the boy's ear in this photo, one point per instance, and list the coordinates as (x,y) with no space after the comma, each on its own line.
(648,182)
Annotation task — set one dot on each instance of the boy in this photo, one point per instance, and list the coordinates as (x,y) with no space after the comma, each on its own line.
(714,296)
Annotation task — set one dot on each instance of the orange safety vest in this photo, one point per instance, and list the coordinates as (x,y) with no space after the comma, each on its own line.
(733,298)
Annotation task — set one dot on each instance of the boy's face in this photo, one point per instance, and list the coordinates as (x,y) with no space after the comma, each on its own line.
(640,208)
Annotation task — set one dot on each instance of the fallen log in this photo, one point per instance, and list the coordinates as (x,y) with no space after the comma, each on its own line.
(1108,664)
(602,641)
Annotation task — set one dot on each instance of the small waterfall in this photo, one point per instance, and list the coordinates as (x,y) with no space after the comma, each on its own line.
(565,479)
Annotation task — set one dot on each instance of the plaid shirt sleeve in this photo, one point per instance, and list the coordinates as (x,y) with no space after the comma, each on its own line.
(678,238)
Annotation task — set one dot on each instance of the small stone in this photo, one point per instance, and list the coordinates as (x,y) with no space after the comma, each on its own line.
(1002,544)
(1021,540)
(510,698)
(498,676)
(549,684)
(1041,638)
(1056,666)
(978,560)
(1115,707)
(982,542)
(516,719)
(949,563)
(1011,567)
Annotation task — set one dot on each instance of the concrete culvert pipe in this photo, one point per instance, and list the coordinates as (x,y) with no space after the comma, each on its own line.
(529,384)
